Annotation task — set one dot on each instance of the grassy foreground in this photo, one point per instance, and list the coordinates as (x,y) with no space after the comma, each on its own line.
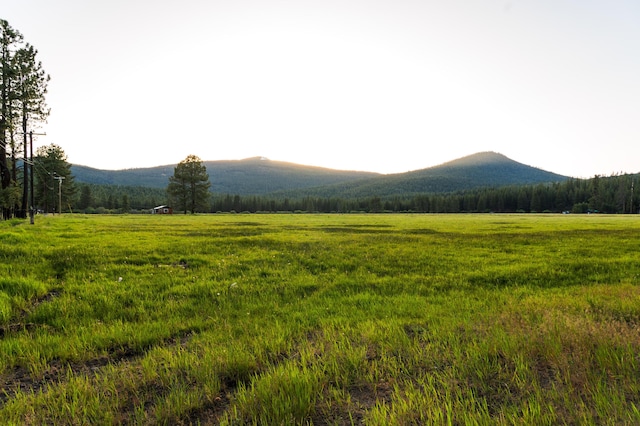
(320,319)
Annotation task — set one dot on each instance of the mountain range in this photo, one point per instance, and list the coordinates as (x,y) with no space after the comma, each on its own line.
(260,176)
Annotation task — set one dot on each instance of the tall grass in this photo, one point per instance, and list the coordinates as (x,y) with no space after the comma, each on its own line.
(320,319)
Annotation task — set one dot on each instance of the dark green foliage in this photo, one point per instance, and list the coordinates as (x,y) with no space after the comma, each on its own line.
(573,195)
(23,86)
(54,183)
(101,197)
(188,188)
(614,195)
(86,197)
(9,40)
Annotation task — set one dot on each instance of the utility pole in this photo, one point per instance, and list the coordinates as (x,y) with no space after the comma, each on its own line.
(60,179)
(32,208)
(25,171)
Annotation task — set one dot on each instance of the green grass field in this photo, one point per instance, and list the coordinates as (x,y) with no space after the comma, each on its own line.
(320,319)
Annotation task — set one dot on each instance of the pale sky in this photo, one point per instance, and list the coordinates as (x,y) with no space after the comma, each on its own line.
(378,85)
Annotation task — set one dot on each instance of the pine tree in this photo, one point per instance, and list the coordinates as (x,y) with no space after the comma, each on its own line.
(126,205)
(50,164)
(86,197)
(188,188)
(30,96)
(23,85)
(9,38)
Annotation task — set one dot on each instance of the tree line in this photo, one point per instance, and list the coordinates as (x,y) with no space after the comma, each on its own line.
(616,194)
(613,195)
(188,191)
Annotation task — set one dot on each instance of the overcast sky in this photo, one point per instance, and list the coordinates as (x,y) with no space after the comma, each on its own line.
(377,85)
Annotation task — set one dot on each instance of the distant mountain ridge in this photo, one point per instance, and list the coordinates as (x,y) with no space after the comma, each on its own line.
(251,176)
(259,176)
(483,169)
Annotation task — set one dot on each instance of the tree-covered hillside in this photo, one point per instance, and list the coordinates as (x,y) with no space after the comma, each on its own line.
(252,176)
(485,169)
(484,182)
(258,176)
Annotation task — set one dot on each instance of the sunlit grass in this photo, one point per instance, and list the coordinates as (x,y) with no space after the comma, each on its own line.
(320,319)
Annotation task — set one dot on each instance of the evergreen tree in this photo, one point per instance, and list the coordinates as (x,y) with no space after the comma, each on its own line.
(9,39)
(188,188)
(53,179)
(126,206)
(30,96)
(9,197)
(86,197)
(523,202)
(23,85)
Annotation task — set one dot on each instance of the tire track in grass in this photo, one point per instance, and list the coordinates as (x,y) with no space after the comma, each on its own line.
(20,380)
(313,351)
(212,412)
(212,409)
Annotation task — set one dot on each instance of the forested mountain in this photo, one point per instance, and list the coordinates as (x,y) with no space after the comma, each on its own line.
(252,176)
(258,176)
(484,169)
(485,182)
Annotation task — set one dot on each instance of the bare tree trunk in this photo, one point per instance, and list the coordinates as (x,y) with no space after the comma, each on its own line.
(25,168)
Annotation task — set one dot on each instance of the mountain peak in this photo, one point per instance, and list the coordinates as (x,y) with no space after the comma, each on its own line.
(480,158)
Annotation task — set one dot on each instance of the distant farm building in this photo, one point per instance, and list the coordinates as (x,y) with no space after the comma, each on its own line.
(162,210)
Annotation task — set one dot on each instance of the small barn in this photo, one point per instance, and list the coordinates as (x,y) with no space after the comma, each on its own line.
(162,210)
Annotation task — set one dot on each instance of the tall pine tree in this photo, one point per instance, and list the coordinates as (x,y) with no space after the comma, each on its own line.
(30,96)
(188,188)
(23,86)
(9,39)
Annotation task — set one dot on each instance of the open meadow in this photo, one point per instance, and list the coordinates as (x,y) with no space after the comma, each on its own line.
(320,319)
